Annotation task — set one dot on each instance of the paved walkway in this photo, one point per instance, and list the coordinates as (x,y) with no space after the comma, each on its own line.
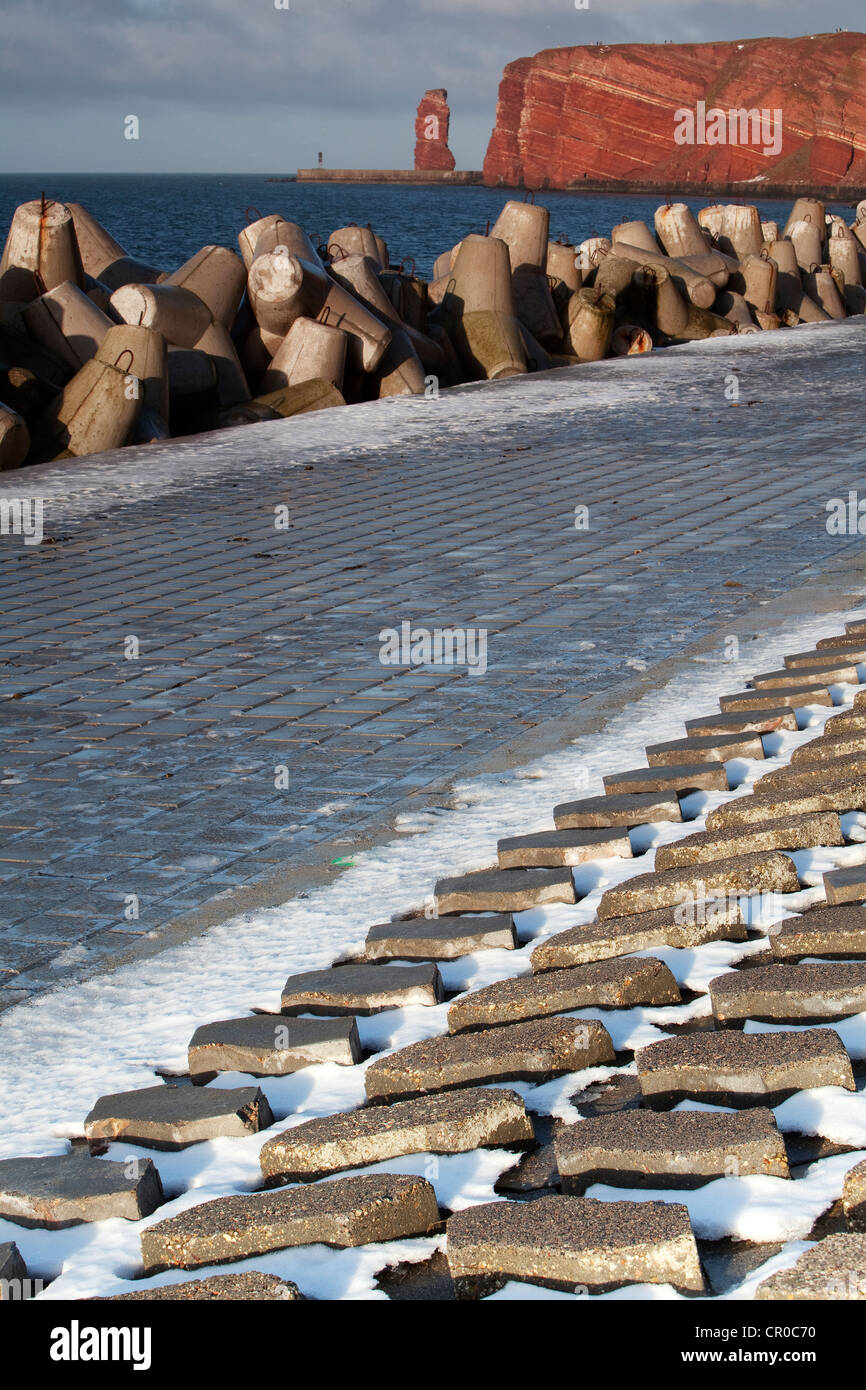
(192,697)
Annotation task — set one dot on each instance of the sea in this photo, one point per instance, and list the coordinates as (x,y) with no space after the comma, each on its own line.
(164,219)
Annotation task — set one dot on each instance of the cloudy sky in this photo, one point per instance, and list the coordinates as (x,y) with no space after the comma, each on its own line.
(234,85)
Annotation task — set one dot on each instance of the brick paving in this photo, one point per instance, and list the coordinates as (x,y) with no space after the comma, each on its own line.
(148,784)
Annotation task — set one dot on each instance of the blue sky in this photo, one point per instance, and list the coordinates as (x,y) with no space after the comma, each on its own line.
(234,85)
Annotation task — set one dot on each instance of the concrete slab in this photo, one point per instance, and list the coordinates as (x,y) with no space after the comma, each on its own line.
(552,848)
(572,1242)
(833,1270)
(847,721)
(779,804)
(248,1287)
(820,773)
(361,989)
(829,746)
(704,748)
(441,938)
(619,983)
(67,1190)
(535,1051)
(620,936)
(173,1117)
(741,1069)
(765,872)
(854,1197)
(790,993)
(794,695)
(822,931)
(705,776)
(685,1148)
(759,721)
(344,1213)
(504,890)
(829,652)
(805,676)
(628,809)
(271,1045)
(13,1270)
(454,1122)
(845,885)
(792,832)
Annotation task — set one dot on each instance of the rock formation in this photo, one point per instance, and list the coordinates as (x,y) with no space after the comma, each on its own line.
(600,113)
(431,132)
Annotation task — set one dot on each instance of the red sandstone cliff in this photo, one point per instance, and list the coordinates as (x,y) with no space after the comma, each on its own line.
(604,113)
(431,132)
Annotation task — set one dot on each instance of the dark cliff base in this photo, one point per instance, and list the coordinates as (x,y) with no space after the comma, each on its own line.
(742,192)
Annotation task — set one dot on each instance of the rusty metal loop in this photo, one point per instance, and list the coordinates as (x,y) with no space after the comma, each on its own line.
(335,246)
(256,218)
(529,196)
(407,260)
(123,354)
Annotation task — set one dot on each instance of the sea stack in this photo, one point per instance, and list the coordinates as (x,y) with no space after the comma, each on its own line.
(431,132)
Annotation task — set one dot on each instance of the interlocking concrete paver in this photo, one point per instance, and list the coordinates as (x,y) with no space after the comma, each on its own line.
(258,649)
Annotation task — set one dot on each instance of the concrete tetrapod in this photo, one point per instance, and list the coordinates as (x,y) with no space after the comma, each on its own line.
(821,286)
(665,309)
(14,439)
(290,236)
(309,350)
(714,265)
(790,294)
(41,252)
(283,288)
(281,404)
(232,385)
(249,236)
(733,307)
(478,310)
(698,288)
(104,258)
(534,305)
(806,210)
(589,325)
(562,264)
(842,254)
(178,314)
(67,323)
(525,229)
(679,231)
(400,372)
(98,410)
(755,280)
(742,234)
(219,279)
(638,236)
(142,353)
(355,241)
(808,243)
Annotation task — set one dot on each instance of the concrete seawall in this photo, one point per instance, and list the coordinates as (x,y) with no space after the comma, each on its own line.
(459,177)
